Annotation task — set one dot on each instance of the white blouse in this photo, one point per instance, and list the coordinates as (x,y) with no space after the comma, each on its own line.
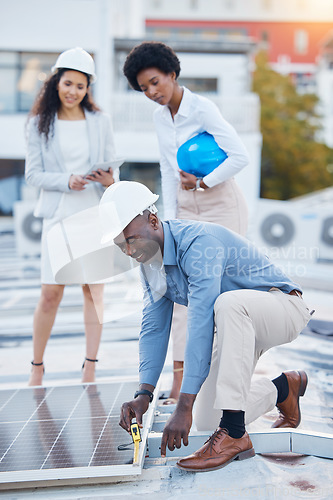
(196,114)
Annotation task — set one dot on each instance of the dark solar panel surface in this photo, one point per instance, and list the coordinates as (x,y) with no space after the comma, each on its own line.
(63,427)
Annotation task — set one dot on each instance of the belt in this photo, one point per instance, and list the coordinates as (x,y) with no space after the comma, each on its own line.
(296,292)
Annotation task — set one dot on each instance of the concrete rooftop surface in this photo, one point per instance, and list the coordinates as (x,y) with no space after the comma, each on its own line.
(266,476)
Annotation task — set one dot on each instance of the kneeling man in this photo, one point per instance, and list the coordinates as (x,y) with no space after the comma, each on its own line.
(237,300)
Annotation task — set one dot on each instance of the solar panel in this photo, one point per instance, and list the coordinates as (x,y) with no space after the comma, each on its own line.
(67,432)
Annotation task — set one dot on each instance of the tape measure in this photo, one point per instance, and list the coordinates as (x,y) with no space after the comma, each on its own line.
(136,436)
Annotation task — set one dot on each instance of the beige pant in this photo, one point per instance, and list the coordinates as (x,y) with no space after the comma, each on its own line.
(223,204)
(248,323)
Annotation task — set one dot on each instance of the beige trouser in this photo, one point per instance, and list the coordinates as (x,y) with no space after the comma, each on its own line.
(223,204)
(248,323)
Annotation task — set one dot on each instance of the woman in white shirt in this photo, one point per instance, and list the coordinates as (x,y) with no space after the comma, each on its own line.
(153,68)
(67,135)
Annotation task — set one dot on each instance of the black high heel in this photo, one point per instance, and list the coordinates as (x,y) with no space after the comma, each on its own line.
(88,359)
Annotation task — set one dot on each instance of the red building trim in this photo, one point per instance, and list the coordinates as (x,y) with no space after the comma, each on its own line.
(280,35)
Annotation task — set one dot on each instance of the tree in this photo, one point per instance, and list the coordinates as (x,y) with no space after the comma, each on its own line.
(293,162)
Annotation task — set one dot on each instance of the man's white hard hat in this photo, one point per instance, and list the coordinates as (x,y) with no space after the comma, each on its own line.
(77,59)
(120,204)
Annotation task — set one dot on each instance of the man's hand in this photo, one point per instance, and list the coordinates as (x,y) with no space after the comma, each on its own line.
(179,424)
(133,409)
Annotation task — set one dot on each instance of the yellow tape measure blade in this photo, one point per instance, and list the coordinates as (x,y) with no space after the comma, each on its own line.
(136,436)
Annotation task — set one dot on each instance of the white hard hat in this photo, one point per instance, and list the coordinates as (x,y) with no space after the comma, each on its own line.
(120,204)
(77,59)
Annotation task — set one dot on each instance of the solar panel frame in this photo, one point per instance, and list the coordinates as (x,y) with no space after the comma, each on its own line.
(51,427)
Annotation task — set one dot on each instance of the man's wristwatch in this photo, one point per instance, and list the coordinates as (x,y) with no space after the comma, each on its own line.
(146,393)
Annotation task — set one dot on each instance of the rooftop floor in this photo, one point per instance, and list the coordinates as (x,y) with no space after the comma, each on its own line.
(267,476)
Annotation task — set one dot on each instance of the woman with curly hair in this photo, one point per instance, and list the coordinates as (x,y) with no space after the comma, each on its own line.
(67,136)
(153,68)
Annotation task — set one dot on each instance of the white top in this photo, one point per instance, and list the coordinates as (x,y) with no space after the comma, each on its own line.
(74,145)
(196,114)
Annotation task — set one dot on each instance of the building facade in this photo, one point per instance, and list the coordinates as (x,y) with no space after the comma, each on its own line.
(31,41)
(295,34)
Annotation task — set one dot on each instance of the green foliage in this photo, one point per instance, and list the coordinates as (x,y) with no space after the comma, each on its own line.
(293,163)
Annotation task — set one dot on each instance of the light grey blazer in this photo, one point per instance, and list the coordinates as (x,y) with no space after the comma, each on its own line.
(45,167)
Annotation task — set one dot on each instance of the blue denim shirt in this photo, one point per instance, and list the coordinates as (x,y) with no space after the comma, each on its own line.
(200,261)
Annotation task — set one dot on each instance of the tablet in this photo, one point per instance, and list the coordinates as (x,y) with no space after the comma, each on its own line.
(105,165)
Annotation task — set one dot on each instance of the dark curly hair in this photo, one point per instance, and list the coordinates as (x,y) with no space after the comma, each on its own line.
(47,103)
(150,55)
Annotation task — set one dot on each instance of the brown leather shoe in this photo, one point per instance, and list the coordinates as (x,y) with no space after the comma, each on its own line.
(290,414)
(217,452)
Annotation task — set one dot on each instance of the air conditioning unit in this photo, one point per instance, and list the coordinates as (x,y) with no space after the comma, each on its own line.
(326,235)
(28,229)
(285,231)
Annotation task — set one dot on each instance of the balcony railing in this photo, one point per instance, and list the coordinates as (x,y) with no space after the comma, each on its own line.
(133,112)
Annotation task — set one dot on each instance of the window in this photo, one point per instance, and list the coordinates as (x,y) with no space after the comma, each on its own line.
(301,42)
(304,82)
(264,36)
(11,181)
(199,84)
(21,76)
(8,77)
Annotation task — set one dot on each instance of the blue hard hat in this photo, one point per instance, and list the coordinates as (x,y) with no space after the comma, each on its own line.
(200,155)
